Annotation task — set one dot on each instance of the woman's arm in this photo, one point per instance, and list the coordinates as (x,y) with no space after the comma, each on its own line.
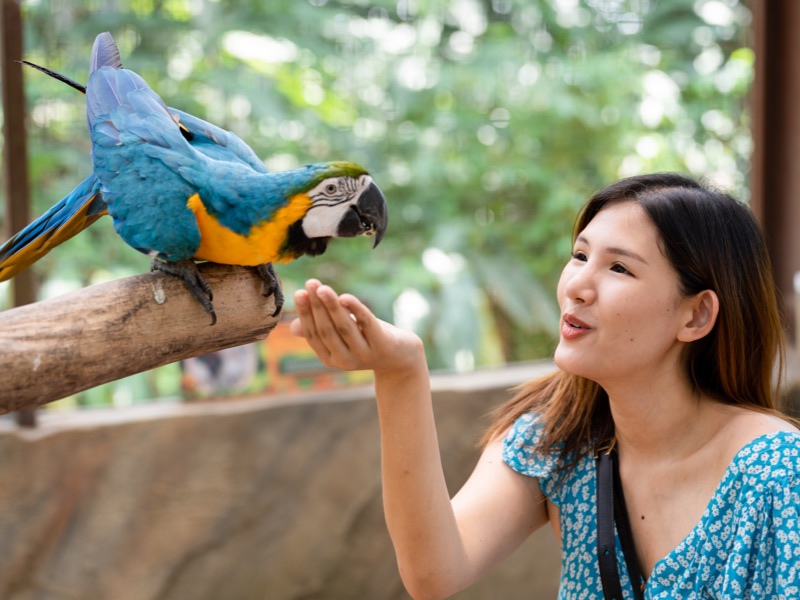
(441,546)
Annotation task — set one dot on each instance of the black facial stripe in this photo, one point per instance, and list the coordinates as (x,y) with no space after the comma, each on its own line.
(346,190)
(327,202)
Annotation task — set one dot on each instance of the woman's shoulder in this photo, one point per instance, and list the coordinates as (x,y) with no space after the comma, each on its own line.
(746,429)
(777,448)
(769,456)
(522,447)
(752,456)
(524,451)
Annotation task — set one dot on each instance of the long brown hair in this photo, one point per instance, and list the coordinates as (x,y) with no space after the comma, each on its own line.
(714,243)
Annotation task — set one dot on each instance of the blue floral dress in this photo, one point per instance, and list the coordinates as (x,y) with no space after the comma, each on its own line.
(746,545)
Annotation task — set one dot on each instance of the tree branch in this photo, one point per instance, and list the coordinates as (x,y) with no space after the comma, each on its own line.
(58,347)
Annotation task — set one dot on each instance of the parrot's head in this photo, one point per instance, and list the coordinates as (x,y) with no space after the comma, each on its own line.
(345,202)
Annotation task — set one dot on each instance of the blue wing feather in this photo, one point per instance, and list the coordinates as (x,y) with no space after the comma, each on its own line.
(205,137)
(218,143)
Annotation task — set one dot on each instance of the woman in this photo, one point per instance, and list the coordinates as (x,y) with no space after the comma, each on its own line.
(670,337)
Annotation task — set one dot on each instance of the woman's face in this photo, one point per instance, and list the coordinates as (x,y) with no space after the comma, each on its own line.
(620,301)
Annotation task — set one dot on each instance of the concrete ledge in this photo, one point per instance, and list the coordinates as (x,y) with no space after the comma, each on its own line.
(271,497)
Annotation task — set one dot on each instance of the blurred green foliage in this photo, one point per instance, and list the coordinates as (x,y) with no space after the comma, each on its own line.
(487,123)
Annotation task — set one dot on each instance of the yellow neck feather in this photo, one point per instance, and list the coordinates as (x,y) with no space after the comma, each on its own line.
(260,246)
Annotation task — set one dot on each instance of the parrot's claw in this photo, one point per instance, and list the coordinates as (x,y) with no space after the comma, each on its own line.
(187,271)
(267,273)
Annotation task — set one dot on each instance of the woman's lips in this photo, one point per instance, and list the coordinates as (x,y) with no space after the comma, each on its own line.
(572,327)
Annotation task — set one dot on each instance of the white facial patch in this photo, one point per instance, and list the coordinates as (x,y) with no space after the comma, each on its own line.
(331,199)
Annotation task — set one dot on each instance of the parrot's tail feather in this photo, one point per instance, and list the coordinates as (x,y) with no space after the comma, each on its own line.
(74,213)
(105,53)
(55,75)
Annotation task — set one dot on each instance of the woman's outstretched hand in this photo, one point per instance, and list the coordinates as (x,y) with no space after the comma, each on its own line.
(346,335)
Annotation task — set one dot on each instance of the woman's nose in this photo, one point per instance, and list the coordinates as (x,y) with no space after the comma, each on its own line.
(579,285)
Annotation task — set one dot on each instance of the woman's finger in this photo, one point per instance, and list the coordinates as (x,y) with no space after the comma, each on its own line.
(300,303)
(367,322)
(307,324)
(325,330)
(342,320)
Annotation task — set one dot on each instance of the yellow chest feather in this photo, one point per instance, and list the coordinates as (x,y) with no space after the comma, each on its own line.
(260,246)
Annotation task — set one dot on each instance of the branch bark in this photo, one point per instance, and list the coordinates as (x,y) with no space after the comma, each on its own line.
(58,347)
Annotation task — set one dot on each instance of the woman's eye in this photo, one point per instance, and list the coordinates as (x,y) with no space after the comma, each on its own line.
(578,255)
(618,268)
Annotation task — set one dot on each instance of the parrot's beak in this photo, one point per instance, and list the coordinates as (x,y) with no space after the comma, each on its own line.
(374,212)
(369,216)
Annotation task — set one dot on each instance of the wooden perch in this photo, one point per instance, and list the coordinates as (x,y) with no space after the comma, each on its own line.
(58,347)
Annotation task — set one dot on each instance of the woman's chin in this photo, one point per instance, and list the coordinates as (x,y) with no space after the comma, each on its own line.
(570,362)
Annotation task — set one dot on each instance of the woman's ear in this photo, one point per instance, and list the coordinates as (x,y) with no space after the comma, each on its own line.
(704,308)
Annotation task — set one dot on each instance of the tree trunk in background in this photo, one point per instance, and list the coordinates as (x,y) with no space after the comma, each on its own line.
(775,177)
(15,155)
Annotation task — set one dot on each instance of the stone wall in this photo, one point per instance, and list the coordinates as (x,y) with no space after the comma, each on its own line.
(270,498)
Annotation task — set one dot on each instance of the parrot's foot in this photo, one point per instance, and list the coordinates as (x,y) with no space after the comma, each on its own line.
(269,276)
(187,271)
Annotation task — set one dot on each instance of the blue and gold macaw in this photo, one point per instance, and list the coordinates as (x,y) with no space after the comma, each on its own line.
(180,189)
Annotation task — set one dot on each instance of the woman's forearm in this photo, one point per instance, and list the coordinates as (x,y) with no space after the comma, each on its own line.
(416,501)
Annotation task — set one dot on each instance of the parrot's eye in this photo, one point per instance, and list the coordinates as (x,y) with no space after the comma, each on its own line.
(330,188)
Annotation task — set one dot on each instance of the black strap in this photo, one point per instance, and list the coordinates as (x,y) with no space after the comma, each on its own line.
(625,534)
(610,509)
(606,550)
